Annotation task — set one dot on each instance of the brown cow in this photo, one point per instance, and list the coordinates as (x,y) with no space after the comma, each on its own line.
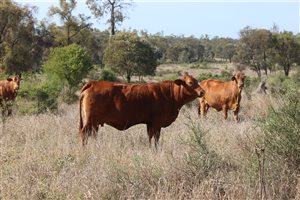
(123,105)
(8,92)
(222,95)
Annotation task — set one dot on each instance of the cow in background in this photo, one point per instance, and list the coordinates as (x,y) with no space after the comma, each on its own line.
(123,105)
(8,92)
(222,95)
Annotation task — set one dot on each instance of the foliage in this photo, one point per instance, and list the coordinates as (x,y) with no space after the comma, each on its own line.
(17,38)
(129,55)
(38,94)
(107,75)
(68,64)
(226,76)
(254,49)
(281,142)
(287,50)
(114,8)
(281,129)
(280,84)
(72,25)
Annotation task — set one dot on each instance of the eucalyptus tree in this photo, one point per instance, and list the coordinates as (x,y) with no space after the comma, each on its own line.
(128,55)
(17,38)
(71,24)
(116,9)
(287,50)
(254,47)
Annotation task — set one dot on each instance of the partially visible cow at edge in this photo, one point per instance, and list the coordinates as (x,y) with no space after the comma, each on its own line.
(123,105)
(222,95)
(8,92)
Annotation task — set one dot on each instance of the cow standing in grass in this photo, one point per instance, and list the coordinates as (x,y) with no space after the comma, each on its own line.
(8,92)
(123,105)
(222,95)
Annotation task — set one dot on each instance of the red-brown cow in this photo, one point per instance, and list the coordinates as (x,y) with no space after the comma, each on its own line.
(8,92)
(122,105)
(222,95)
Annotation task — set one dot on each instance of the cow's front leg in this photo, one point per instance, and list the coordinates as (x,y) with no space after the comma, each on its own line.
(235,113)
(202,107)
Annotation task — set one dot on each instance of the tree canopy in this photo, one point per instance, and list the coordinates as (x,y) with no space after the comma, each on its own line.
(128,54)
(69,64)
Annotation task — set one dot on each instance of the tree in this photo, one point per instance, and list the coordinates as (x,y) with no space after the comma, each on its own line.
(287,50)
(130,55)
(254,48)
(229,51)
(114,8)
(17,38)
(72,25)
(69,64)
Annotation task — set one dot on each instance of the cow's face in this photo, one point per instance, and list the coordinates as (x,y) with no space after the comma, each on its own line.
(239,78)
(15,81)
(191,85)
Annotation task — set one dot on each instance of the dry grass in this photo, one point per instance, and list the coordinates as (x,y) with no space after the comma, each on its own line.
(41,158)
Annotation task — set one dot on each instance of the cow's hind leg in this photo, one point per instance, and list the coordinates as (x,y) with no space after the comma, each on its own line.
(153,131)
(88,130)
(156,136)
(150,133)
(225,110)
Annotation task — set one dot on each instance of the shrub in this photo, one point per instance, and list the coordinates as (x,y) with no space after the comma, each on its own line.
(69,65)
(108,75)
(38,94)
(281,140)
(282,129)
(226,76)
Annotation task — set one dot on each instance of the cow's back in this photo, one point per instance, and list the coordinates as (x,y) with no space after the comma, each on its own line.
(123,105)
(218,93)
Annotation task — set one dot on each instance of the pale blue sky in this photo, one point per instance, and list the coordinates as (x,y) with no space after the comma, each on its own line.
(198,17)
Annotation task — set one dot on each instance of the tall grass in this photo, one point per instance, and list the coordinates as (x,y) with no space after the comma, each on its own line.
(41,158)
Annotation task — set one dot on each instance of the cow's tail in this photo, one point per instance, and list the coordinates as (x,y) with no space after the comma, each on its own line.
(85,87)
(80,114)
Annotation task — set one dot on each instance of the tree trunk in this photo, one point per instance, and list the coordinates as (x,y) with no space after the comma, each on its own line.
(112,19)
(287,70)
(128,77)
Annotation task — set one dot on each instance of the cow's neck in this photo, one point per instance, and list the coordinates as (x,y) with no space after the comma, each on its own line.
(237,91)
(180,97)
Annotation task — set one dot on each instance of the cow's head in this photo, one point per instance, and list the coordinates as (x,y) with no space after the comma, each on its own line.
(190,85)
(239,79)
(15,81)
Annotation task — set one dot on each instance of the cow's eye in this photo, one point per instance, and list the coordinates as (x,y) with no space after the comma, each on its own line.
(190,83)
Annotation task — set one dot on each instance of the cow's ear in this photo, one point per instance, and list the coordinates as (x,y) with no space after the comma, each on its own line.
(9,79)
(233,78)
(178,82)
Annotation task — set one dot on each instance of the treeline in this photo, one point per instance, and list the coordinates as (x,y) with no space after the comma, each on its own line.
(67,53)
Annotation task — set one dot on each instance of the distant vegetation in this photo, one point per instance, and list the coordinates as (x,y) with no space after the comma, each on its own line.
(28,45)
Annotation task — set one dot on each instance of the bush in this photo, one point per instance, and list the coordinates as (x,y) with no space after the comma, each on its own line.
(69,65)
(281,140)
(280,84)
(201,160)
(226,76)
(282,129)
(108,75)
(38,94)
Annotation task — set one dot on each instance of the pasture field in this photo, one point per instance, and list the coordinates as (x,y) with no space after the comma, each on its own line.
(41,158)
